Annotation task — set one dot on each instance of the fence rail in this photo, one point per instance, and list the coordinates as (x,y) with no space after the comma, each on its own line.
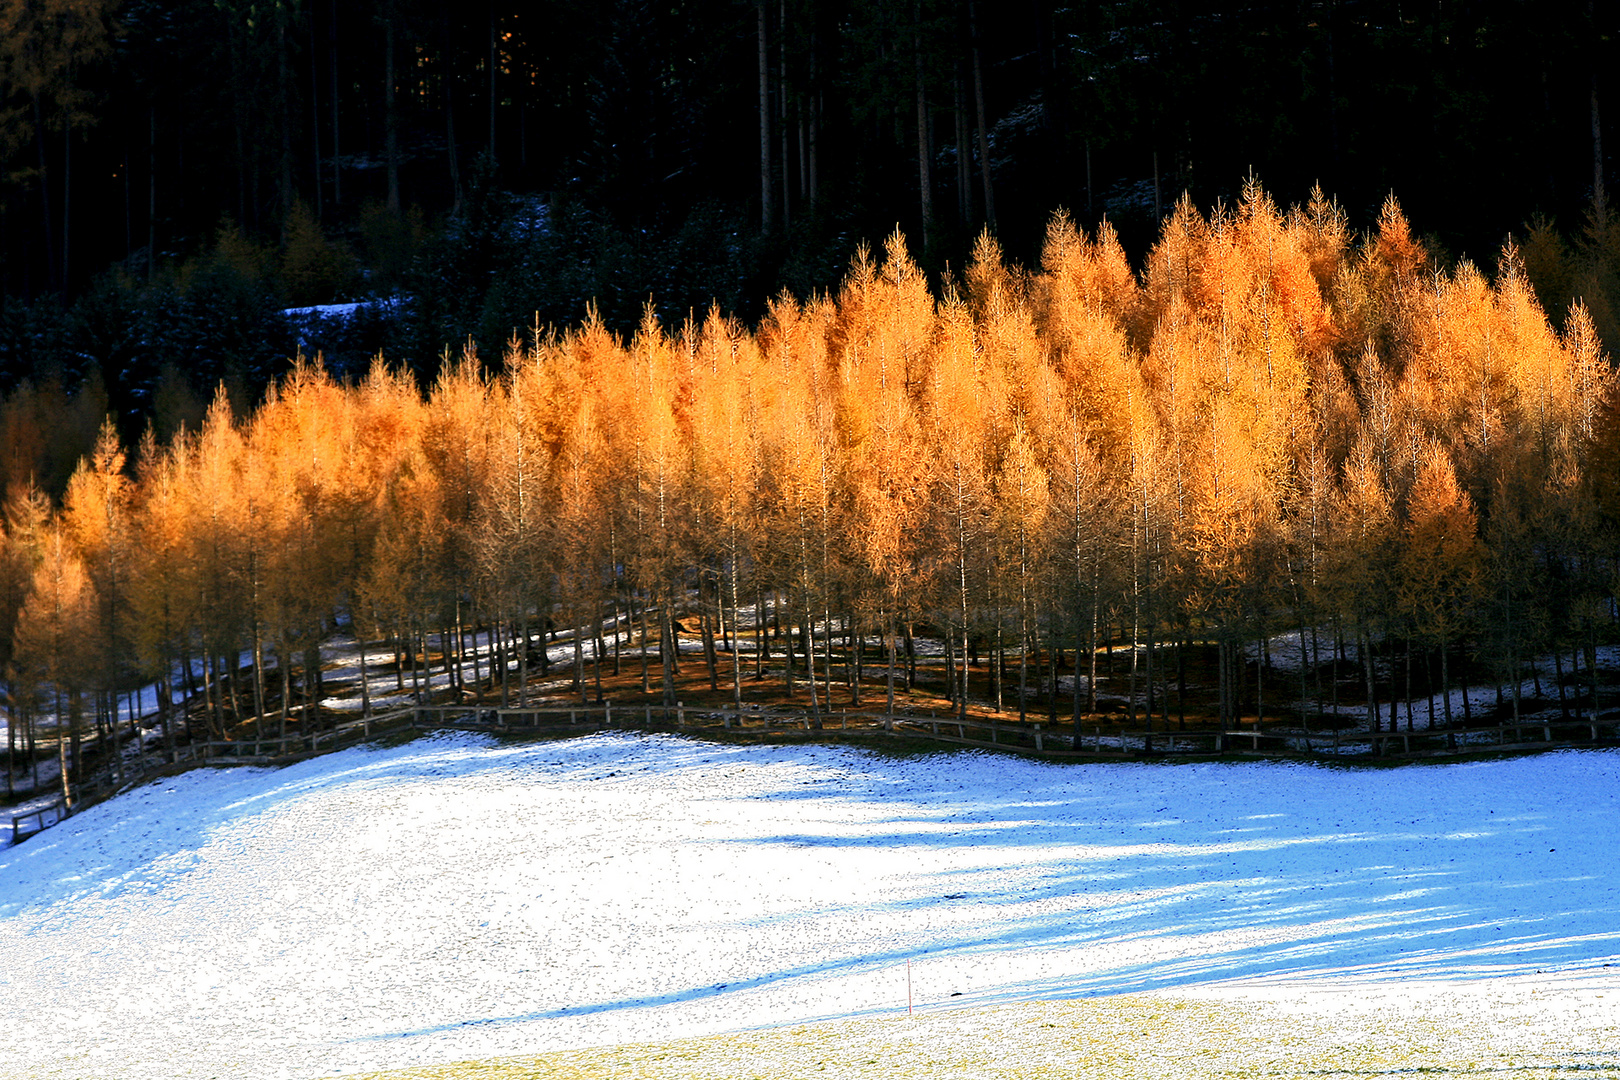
(43,818)
(104,783)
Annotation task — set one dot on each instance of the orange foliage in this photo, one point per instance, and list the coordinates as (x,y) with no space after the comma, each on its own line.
(1270,397)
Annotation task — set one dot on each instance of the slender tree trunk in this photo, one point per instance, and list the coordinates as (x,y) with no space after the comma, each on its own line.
(522,644)
(332,63)
(782,124)
(1055,662)
(1136,625)
(284,169)
(62,755)
(599,646)
(1558,672)
(814,107)
(964,176)
(390,109)
(1182,648)
(767,212)
(314,678)
(911,658)
(315,119)
(1023,656)
(452,152)
(1091,639)
(761,642)
(1428,682)
(646,685)
(978,103)
(888,642)
(810,663)
(962,697)
(494,69)
(667,644)
(1367,674)
(924,150)
(1409,684)
(1259,675)
(710,658)
(67,198)
(31,745)
(218,682)
(618,637)
(579,661)
(1599,198)
(52,274)
(11,747)
(1304,663)
(365,678)
(258,682)
(1445,680)
(459,637)
(998,667)
(789,649)
(1394,693)
(284,662)
(165,703)
(1591,666)
(499,632)
(858,642)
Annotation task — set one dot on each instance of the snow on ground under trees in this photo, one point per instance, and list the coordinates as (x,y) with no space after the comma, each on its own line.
(458,898)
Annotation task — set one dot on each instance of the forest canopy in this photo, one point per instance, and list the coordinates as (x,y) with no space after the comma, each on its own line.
(1277,425)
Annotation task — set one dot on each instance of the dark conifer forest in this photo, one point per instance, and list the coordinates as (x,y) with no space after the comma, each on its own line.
(176,173)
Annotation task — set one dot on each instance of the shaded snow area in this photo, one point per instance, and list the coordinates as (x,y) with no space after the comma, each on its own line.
(459,898)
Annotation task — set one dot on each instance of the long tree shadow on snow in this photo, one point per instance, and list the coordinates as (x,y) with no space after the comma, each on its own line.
(1390,874)
(1149,877)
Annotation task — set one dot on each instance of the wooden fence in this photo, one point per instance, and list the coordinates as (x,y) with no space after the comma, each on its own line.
(41,819)
(1038,738)
(106,783)
(1021,738)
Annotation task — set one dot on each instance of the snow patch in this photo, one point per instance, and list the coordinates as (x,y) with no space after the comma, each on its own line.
(459,898)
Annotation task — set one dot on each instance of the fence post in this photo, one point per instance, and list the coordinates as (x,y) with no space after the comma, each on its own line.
(680,715)
(1038,744)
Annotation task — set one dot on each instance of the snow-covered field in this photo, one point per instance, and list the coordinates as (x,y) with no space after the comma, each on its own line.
(458,898)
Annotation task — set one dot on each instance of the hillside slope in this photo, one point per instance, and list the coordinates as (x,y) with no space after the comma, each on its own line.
(460,898)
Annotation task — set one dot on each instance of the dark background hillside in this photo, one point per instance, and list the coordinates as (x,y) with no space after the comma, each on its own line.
(174,173)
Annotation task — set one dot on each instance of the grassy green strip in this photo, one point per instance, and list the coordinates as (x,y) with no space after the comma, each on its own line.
(1120,1038)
